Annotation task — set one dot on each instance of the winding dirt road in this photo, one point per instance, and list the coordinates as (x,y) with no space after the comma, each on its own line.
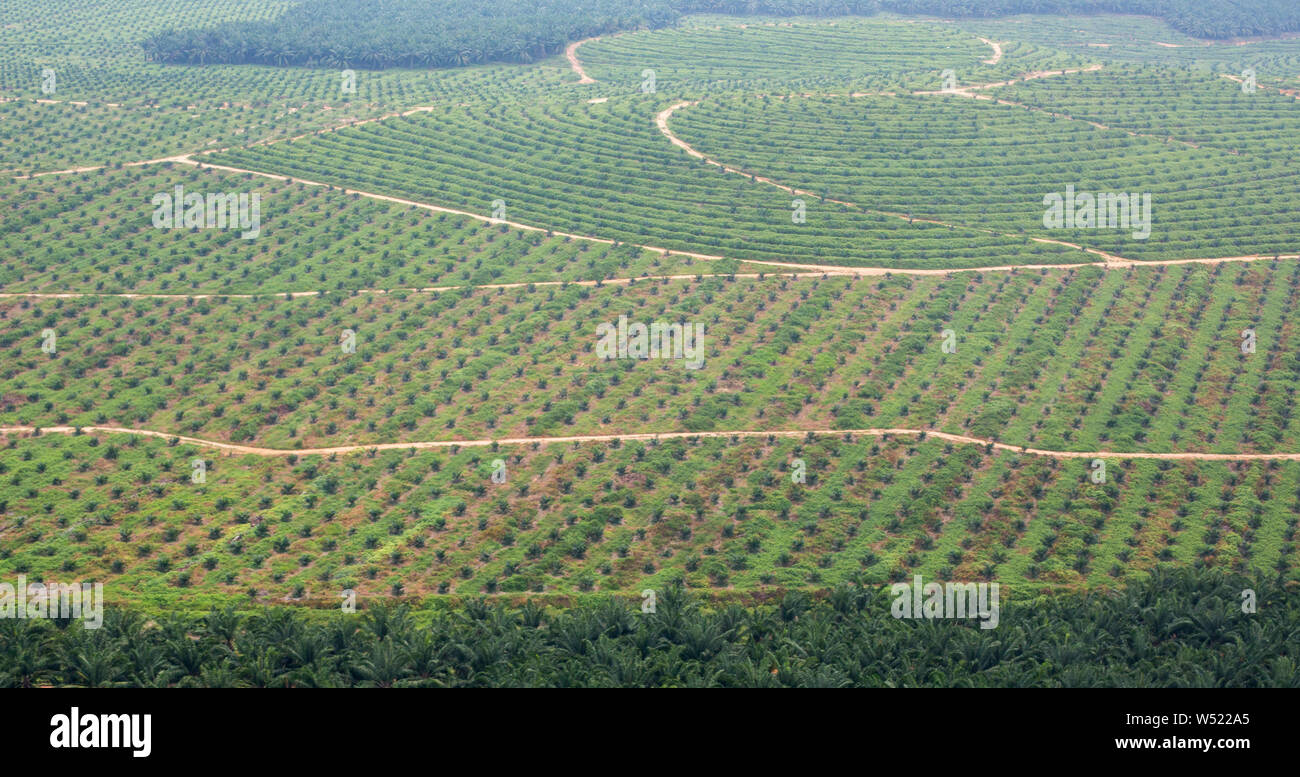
(571,54)
(189,160)
(661,121)
(186,158)
(997,52)
(839,271)
(1293,93)
(248,450)
(1110,261)
(801,271)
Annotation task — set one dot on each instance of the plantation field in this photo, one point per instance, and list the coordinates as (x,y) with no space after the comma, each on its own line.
(801,187)
(1204,109)
(1138,39)
(221,112)
(720,514)
(1148,359)
(108,105)
(604,169)
(980,164)
(312,239)
(709,54)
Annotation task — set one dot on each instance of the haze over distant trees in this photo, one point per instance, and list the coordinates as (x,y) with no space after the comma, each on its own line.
(376,34)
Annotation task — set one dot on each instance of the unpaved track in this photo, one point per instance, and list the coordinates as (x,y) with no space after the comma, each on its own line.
(804,271)
(661,121)
(158,161)
(44,101)
(1293,93)
(1031,76)
(232,449)
(188,160)
(571,54)
(839,271)
(974,92)
(1109,261)
(337,127)
(997,52)
(1098,125)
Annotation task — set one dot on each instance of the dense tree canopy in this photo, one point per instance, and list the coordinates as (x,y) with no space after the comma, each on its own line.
(441,33)
(1182,629)
(409,33)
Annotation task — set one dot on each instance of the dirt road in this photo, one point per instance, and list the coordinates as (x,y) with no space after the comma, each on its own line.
(232,449)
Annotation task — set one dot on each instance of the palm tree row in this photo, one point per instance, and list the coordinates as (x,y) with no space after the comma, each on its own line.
(1215,19)
(1175,629)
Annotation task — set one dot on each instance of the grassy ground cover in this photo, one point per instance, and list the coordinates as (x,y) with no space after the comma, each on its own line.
(94,233)
(605,169)
(980,164)
(1148,359)
(723,515)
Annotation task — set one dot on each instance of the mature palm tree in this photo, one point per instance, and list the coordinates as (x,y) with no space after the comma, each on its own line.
(384,667)
(96,664)
(26,658)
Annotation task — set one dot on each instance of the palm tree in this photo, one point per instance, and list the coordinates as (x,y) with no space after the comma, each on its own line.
(26,659)
(384,667)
